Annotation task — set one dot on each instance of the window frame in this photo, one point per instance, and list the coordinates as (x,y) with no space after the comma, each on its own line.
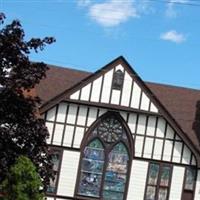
(186,190)
(60,150)
(158,185)
(88,138)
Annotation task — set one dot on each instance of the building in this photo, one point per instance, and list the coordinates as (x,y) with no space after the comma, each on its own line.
(115,137)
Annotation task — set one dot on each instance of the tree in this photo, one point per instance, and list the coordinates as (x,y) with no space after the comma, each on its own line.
(22,182)
(21,131)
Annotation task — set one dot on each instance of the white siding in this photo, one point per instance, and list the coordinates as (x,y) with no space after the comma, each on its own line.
(132,122)
(69,130)
(186,155)
(107,86)
(96,89)
(197,191)
(145,102)
(137,180)
(78,137)
(141,124)
(167,150)
(158,149)
(138,145)
(92,116)
(160,128)
(135,96)
(61,112)
(75,95)
(85,92)
(177,152)
(177,183)
(68,173)
(51,114)
(153,108)
(72,114)
(126,92)
(151,125)
(58,133)
(82,115)
(115,97)
(148,147)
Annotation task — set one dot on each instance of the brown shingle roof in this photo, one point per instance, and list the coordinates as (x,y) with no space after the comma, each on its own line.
(179,102)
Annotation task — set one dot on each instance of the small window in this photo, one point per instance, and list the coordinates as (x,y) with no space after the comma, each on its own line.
(189,183)
(158,182)
(56,161)
(190,179)
(118,79)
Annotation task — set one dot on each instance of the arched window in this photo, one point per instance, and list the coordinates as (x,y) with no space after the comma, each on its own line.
(106,155)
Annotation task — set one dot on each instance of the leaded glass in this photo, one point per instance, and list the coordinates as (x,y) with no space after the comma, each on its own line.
(150,193)
(115,176)
(162,195)
(153,174)
(118,79)
(110,129)
(92,169)
(190,178)
(55,160)
(165,175)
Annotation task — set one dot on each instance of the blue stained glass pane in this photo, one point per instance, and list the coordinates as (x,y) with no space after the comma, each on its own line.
(90,184)
(94,153)
(92,165)
(91,169)
(109,195)
(153,174)
(96,144)
(116,172)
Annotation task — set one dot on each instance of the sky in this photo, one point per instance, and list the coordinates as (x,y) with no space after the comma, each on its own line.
(159,38)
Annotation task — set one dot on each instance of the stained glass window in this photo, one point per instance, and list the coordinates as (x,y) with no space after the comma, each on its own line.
(105,161)
(110,130)
(55,159)
(115,175)
(158,182)
(92,169)
(118,79)
(190,179)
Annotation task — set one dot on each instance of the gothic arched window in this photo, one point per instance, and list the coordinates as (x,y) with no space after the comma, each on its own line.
(105,161)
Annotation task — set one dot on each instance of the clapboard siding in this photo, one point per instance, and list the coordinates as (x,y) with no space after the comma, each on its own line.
(68,173)
(177,183)
(100,90)
(154,138)
(197,191)
(137,181)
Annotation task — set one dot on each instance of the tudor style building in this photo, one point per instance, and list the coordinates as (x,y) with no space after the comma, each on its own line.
(115,137)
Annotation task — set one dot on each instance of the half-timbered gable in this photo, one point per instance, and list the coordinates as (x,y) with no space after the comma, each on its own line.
(114,140)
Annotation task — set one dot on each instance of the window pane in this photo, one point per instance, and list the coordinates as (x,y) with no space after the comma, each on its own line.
(52,187)
(150,193)
(109,195)
(162,194)
(92,169)
(165,176)
(116,172)
(55,159)
(153,174)
(92,165)
(190,178)
(90,184)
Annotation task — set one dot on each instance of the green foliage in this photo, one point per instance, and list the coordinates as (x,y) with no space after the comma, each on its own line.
(23,182)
